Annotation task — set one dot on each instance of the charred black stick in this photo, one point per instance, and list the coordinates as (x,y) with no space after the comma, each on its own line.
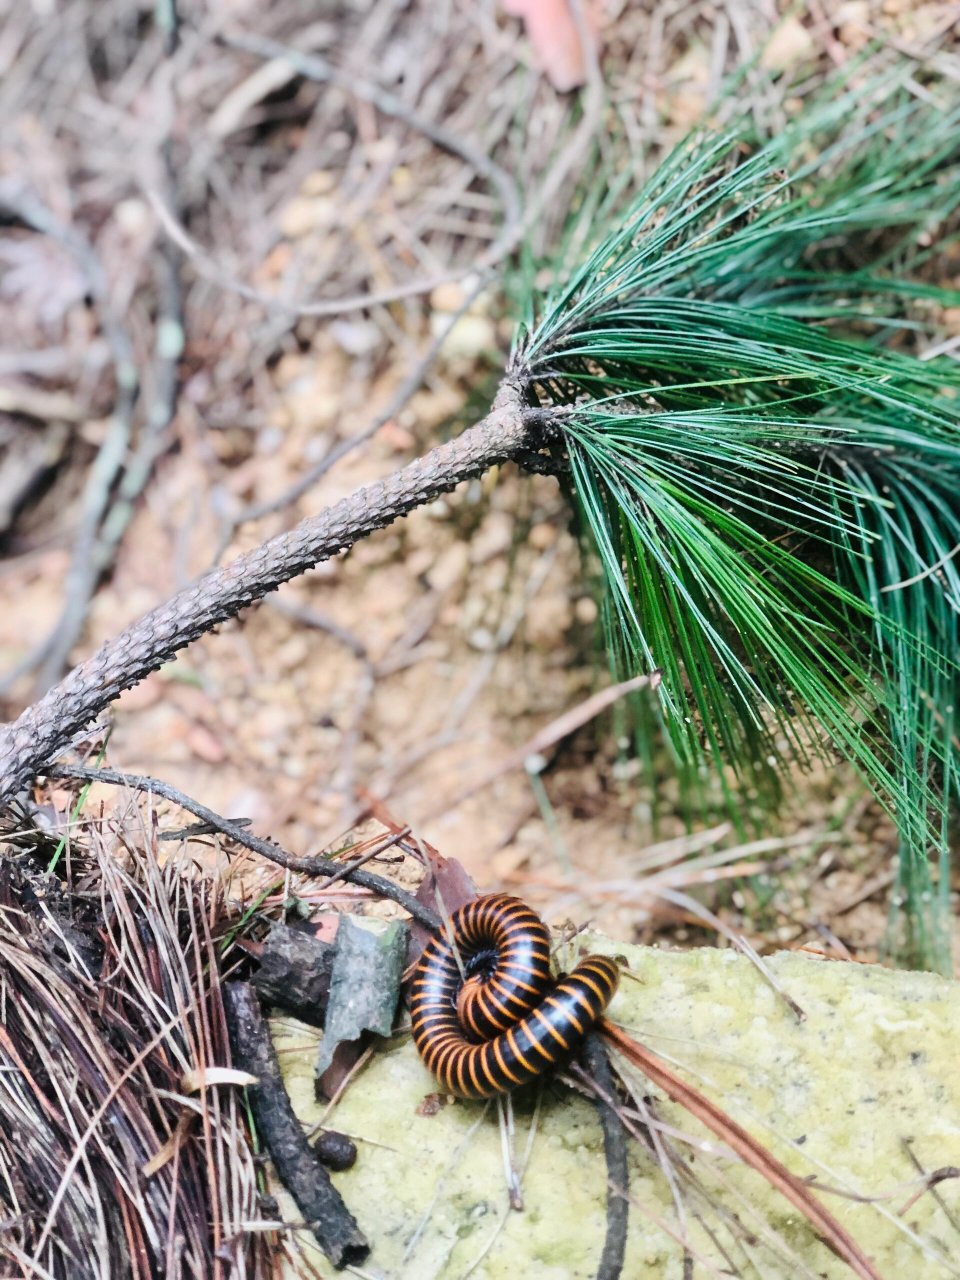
(297,1166)
(615,1151)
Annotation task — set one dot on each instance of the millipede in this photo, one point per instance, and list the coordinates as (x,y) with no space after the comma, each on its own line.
(504,1019)
(488,1016)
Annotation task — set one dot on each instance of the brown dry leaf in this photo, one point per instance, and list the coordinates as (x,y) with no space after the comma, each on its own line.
(552,29)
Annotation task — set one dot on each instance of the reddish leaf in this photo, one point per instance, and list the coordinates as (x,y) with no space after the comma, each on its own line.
(447,880)
(552,29)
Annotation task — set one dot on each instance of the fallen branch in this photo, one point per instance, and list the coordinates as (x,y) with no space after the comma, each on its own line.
(327,867)
(298,1168)
(47,726)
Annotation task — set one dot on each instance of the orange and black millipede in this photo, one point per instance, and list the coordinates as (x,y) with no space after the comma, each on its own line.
(507,1021)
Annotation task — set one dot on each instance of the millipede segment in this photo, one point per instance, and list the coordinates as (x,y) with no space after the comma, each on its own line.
(504,1020)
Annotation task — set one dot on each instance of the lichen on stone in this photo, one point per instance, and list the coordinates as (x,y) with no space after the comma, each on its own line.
(844,1097)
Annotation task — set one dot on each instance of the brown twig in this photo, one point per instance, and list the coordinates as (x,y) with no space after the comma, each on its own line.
(266,848)
(298,1167)
(615,1152)
(349,869)
(930,1181)
(44,728)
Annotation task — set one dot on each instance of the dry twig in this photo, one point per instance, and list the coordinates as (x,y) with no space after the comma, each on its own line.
(307,866)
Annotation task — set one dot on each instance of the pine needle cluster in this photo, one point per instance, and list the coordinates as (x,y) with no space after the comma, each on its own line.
(759,410)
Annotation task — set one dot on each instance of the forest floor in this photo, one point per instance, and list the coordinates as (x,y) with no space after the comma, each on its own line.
(415,668)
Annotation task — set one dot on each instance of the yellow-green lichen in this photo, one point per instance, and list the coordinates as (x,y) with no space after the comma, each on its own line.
(838,1097)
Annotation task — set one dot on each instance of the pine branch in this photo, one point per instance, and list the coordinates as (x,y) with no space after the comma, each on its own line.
(46,727)
(766,470)
(730,385)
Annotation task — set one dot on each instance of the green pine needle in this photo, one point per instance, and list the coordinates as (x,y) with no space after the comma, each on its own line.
(769,473)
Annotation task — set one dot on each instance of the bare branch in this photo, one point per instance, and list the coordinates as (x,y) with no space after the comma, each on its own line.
(236,830)
(44,729)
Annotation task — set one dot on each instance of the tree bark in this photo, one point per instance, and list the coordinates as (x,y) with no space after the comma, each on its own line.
(48,726)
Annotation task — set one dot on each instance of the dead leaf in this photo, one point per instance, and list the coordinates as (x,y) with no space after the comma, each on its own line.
(552,29)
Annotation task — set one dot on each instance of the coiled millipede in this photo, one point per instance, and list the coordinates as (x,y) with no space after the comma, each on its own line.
(505,1020)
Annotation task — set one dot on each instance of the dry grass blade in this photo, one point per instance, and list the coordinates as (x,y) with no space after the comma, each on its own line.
(565,724)
(747,1148)
(110,1000)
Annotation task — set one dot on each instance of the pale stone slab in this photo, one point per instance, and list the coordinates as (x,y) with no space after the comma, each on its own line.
(874,1065)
